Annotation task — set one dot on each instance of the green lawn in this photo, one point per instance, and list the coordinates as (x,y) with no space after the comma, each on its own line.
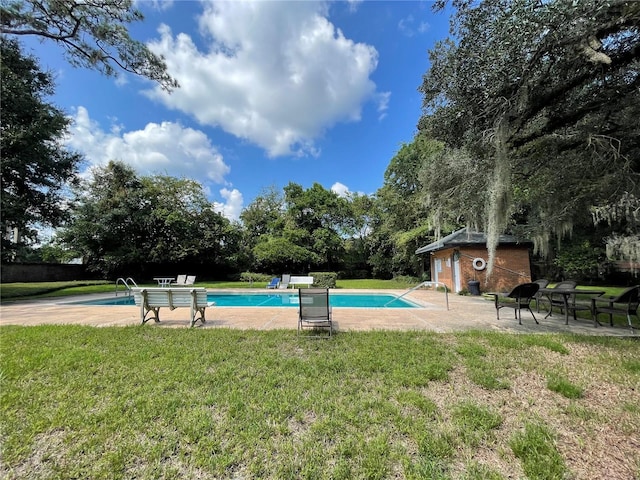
(56,289)
(121,403)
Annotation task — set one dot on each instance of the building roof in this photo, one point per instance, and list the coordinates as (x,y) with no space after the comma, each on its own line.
(465,238)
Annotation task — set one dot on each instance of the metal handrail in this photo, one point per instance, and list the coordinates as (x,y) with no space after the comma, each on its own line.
(446,292)
(125,282)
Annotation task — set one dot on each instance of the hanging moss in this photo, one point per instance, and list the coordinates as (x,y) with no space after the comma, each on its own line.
(500,206)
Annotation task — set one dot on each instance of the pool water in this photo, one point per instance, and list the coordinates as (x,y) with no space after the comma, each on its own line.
(349,300)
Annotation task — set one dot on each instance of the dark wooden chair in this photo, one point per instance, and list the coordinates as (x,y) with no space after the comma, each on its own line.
(519,298)
(624,304)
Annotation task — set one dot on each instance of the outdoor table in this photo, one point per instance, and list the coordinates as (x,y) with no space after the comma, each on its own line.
(164,281)
(566,293)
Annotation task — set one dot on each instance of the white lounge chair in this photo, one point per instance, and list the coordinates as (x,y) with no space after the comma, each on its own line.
(284,283)
(184,280)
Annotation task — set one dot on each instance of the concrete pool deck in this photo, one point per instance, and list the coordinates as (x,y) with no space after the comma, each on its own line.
(464,313)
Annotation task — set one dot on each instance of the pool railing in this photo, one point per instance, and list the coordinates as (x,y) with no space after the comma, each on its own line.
(446,292)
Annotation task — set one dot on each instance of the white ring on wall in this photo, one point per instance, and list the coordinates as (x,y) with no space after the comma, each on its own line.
(479,263)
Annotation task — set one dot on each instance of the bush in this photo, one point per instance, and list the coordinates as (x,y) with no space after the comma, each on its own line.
(407,279)
(324,279)
(255,277)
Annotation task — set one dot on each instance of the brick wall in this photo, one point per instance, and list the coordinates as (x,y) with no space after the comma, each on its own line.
(511,267)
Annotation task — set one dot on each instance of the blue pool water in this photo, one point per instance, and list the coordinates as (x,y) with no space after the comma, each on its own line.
(350,300)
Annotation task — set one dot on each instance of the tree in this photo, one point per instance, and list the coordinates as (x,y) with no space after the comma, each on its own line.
(35,167)
(279,254)
(124,223)
(454,187)
(317,219)
(358,230)
(547,95)
(263,216)
(108,225)
(93,34)
(403,223)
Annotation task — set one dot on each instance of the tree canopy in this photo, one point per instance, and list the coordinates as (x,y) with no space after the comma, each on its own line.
(92,33)
(36,169)
(124,222)
(546,95)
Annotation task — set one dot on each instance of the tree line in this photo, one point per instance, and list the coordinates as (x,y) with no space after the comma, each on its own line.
(529,126)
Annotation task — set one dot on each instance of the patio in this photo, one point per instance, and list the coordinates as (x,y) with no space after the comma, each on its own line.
(465,313)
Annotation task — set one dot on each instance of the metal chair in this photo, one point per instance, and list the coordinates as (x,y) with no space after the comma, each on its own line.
(519,298)
(558,300)
(314,311)
(542,282)
(624,304)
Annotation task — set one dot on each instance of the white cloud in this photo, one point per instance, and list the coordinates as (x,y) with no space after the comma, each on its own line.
(277,74)
(354,4)
(155,4)
(409,27)
(383,104)
(340,189)
(232,206)
(165,148)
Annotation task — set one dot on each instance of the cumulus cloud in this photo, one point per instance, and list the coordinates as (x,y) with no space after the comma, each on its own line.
(277,74)
(159,148)
(340,189)
(164,148)
(232,207)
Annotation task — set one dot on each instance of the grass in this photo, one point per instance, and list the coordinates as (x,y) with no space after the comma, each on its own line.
(131,402)
(13,291)
(560,384)
(44,289)
(535,447)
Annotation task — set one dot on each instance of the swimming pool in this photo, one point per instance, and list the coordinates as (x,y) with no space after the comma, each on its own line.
(283,299)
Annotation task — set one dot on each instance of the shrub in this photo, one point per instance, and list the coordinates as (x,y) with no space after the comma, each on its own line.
(255,277)
(407,279)
(324,279)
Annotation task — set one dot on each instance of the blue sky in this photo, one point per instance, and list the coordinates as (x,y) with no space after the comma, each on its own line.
(271,93)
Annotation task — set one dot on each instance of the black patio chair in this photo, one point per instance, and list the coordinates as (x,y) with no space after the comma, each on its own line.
(558,300)
(542,282)
(519,298)
(624,304)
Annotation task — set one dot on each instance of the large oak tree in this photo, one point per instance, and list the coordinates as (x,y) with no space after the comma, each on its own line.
(547,96)
(35,167)
(92,33)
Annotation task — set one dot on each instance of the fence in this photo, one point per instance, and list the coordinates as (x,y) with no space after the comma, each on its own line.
(43,272)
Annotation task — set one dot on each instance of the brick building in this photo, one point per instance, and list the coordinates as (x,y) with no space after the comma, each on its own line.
(462,257)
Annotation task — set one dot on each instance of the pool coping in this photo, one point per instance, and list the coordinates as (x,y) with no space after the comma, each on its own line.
(465,313)
(77,300)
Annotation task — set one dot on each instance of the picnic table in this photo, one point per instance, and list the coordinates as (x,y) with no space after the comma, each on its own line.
(566,294)
(164,281)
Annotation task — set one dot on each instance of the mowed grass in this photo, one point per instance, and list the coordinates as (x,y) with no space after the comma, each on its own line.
(17,291)
(146,403)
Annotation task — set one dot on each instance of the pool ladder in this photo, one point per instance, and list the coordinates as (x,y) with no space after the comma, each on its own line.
(127,282)
(446,292)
